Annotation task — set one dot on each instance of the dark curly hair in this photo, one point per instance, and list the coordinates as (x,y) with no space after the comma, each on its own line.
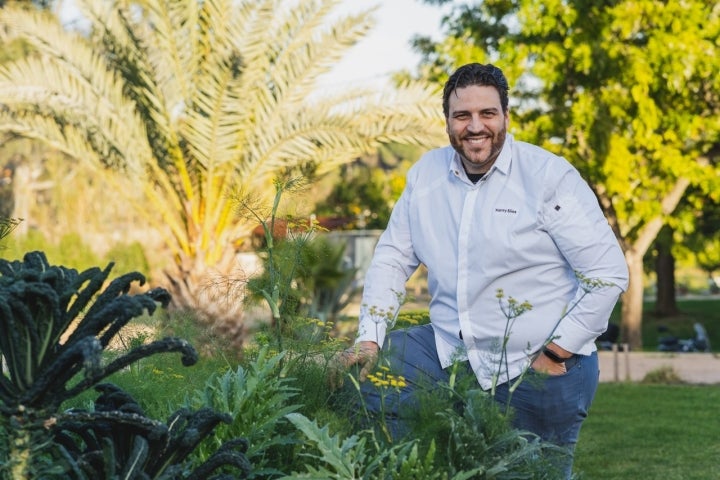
(476,74)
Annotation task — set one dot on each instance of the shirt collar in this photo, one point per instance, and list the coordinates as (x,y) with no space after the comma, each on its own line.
(502,163)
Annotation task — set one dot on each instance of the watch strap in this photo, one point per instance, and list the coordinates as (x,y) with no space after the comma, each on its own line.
(553,356)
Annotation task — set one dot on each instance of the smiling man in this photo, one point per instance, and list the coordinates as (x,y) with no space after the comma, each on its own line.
(490,214)
(477,121)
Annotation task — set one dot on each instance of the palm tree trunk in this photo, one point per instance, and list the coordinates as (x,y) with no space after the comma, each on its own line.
(215,295)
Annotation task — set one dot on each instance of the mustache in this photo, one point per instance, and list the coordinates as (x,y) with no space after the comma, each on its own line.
(477,135)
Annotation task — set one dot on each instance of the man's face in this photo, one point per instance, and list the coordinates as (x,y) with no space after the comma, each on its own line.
(476,126)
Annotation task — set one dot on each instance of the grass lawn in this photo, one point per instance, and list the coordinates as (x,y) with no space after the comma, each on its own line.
(664,432)
(647,432)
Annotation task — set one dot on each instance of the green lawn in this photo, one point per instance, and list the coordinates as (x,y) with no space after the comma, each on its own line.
(647,432)
(663,432)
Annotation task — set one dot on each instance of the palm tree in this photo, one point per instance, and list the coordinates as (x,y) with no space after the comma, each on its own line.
(196,101)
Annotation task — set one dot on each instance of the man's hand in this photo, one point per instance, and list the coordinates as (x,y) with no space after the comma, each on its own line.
(364,354)
(543,364)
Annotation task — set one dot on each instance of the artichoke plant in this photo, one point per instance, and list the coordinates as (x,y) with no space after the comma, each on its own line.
(56,323)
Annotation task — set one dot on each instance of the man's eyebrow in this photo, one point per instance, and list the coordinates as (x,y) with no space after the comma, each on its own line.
(482,110)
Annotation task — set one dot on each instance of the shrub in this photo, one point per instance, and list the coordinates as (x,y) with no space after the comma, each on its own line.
(71,250)
(128,258)
(460,435)
(665,375)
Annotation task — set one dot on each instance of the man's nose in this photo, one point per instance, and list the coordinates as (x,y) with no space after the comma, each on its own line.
(476,125)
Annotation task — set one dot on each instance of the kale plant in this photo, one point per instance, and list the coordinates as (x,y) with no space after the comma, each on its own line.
(56,324)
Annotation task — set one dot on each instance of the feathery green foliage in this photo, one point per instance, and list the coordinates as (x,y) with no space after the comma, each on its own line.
(7,225)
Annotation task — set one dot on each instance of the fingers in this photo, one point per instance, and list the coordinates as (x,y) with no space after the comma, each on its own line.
(365,371)
(547,366)
(363,353)
(366,348)
(368,361)
(339,366)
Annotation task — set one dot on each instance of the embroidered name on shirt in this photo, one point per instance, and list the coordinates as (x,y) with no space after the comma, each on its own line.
(505,210)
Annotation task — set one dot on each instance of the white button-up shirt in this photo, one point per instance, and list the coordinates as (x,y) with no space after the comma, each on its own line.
(531,228)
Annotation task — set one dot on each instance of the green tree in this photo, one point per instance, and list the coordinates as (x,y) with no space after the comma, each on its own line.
(704,242)
(679,242)
(628,91)
(196,101)
(364,192)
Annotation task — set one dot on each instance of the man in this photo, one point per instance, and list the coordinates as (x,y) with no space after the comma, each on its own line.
(492,217)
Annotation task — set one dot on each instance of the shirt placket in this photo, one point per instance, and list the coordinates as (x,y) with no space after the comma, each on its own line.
(463,271)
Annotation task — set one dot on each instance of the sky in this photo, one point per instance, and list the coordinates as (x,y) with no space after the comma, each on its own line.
(386,49)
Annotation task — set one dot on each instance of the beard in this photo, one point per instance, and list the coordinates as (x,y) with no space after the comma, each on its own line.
(478,159)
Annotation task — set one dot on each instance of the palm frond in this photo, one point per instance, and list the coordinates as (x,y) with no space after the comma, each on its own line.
(305,48)
(72,87)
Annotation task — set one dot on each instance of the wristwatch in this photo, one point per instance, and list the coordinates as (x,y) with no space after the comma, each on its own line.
(553,356)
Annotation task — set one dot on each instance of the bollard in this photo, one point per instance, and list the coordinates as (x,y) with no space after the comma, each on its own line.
(626,349)
(616,367)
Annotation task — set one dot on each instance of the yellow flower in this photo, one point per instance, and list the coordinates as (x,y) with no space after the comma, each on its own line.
(385,379)
(398,382)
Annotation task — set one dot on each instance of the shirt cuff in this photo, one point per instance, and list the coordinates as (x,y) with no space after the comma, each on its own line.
(369,331)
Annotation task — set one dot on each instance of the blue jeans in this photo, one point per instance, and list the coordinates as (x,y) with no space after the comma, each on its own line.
(552,407)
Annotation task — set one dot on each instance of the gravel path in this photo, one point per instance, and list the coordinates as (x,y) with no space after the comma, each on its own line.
(697,368)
